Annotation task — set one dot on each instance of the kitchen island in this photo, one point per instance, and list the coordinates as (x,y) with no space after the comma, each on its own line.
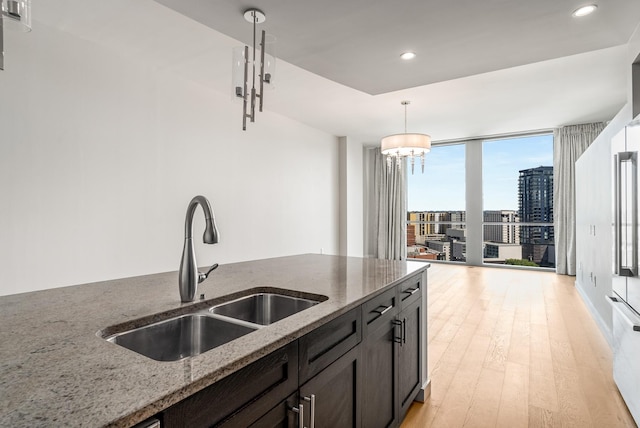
(56,369)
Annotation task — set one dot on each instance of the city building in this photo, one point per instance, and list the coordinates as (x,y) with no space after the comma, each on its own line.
(508,232)
(442,247)
(496,252)
(411,235)
(420,252)
(458,238)
(535,200)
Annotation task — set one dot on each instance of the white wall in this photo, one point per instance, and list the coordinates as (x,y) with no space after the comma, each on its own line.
(100,155)
(351,197)
(369,216)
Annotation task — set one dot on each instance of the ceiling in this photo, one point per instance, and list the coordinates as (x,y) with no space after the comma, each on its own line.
(358,43)
(507,66)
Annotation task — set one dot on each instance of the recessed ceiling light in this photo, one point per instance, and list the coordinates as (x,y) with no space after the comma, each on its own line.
(408,55)
(584,10)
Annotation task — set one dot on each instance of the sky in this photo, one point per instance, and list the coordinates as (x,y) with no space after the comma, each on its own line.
(442,186)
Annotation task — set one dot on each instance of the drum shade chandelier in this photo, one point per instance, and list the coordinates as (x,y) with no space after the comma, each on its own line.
(13,14)
(407,145)
(251,65)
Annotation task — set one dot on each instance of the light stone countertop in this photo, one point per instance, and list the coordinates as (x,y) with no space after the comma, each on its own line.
(55,369)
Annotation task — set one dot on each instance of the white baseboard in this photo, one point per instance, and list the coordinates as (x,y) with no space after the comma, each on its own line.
(424,393)
(594,313)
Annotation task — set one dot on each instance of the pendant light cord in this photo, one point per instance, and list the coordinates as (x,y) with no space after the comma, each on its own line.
(405,118)
(405,104)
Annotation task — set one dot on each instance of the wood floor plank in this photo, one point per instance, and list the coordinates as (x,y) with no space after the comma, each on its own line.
(573,409)
(483,410)
(520,343)
(500,341)
(420,415)
(458,397)
(542,418)
(514,400)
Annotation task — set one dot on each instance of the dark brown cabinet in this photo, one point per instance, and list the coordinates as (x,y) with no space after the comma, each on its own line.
(280,416)
(362,369)
(242,397)
(409,362)
(391,354)
(380,361)
(327,343)
(333,395)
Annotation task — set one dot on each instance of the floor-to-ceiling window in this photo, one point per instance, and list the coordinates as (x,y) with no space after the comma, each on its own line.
(517,180)
(436,224)
(506,204)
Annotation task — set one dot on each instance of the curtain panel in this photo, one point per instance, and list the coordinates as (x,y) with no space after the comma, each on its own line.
(569,143)
(390,204)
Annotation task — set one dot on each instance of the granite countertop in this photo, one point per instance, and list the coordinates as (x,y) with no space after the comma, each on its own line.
(56,370)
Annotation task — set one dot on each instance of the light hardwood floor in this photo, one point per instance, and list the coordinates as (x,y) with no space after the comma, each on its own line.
(514,348)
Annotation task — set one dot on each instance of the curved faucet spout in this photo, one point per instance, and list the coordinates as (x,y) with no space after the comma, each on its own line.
(189,275)
(211,229)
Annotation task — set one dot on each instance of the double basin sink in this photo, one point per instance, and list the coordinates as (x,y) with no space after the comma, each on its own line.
(193,333)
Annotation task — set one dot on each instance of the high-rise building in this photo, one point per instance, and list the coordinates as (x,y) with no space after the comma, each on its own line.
(507,233)
(535,200)
(457,216)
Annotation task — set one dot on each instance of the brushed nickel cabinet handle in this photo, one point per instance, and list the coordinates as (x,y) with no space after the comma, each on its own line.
(383,311)
(397,339)
(300,411)
(404,330)
(312,411)
(411,291)
(626,213)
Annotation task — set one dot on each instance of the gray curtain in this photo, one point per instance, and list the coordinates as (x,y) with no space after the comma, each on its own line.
(569,143)
(390,204)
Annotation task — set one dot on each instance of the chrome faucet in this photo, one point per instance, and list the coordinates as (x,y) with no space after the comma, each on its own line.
(190,277)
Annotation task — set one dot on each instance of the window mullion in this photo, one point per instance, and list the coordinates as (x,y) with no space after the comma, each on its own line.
(473,194)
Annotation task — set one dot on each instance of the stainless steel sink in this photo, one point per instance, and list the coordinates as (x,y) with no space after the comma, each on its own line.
(180,337)
(263,308)
(206,327)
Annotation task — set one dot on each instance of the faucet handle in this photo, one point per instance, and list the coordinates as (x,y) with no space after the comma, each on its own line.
(203,276)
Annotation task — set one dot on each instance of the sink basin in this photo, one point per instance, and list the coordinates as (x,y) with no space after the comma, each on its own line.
(180,337)
(263,308)
(205,327)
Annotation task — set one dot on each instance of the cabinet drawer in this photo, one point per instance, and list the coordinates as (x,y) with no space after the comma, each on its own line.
(280,416)
(379,310)
(409,291)
(329,342)
(242,396)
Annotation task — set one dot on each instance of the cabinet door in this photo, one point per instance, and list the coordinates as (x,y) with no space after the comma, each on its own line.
(379,383)
(409,364)
(336,394)
(380,361)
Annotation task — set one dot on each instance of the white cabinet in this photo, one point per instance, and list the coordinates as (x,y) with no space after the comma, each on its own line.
(594,230)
